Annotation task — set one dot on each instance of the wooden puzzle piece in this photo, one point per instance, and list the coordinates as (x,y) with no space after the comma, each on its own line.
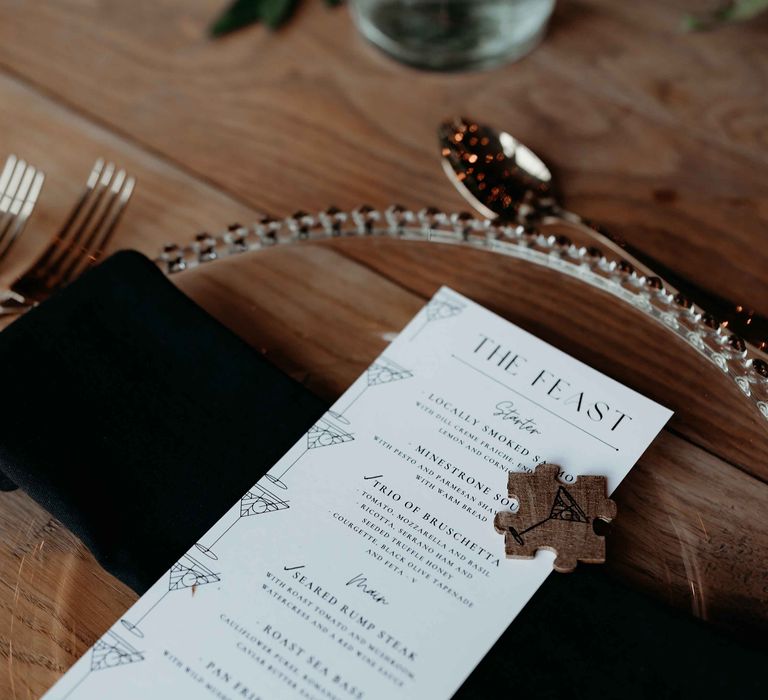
(555,516)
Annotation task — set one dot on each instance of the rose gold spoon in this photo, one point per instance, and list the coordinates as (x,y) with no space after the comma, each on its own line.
(503,179)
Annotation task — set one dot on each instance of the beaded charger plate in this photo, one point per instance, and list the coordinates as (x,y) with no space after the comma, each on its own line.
(322,294)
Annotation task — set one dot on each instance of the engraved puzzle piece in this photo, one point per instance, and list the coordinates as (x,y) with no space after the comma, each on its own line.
(555,516)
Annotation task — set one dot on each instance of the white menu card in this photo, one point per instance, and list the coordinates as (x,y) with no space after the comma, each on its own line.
(365,564)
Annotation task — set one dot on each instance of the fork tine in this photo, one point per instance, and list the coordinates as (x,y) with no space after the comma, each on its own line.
(19,187)
(119,195)
(5,176)
(16,182)
(117,213)
(12,187)
(70,241)
(25,210)
(81,239)
(62,235)
(14,200)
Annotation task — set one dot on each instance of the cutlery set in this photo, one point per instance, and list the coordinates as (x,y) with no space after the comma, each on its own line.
(77,245)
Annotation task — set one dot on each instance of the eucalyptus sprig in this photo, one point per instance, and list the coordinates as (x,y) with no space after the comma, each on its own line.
(242,13)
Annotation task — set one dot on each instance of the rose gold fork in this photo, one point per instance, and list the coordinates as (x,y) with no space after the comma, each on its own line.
(20,185)
(79,243)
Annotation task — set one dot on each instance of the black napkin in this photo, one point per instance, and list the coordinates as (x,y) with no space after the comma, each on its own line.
(136,419)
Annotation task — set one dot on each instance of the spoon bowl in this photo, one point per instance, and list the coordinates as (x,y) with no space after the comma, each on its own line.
(497,174)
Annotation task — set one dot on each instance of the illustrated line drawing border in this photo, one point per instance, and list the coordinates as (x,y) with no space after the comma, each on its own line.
(527,398)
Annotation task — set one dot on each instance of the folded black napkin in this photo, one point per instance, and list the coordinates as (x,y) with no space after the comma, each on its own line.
(136,419)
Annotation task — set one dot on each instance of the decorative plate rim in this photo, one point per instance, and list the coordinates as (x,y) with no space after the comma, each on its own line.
(746,365)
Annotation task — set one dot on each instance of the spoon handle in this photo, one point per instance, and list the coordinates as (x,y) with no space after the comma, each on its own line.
(612,244)
(752,327)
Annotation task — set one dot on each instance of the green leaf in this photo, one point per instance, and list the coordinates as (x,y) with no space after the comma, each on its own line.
(734,11)
(239,14)
(275,12)
(242,13)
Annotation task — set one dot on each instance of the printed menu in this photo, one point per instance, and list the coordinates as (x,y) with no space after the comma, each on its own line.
(364,565)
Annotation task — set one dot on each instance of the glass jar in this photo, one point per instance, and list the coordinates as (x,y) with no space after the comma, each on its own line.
(453,34)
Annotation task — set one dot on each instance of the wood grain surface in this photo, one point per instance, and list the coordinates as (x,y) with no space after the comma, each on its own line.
(659,135)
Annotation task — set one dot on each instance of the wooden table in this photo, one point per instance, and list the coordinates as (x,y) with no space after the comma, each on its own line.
(659,135)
